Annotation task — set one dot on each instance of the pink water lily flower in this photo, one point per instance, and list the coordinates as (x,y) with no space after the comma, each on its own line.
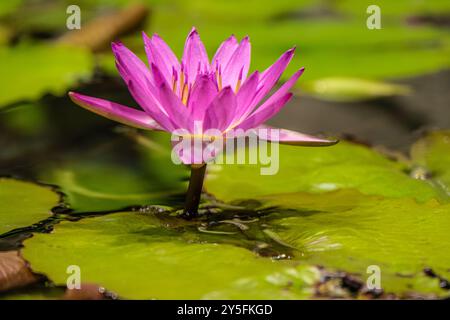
(219,94)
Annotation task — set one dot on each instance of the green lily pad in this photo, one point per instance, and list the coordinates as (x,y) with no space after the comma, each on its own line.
(24,203)
(352,89)
(350,231)
(319,170)
(29,71)
(137,257)
(348,207)
(433,153)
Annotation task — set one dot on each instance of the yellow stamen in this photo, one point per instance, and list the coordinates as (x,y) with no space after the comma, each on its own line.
(181,81)
(174,85)
(184,94)
(238,85)
(220,82)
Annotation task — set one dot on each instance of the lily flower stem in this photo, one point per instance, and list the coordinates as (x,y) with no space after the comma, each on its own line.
(194,190)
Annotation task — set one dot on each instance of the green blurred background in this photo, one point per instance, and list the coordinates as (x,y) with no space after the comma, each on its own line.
(382,87)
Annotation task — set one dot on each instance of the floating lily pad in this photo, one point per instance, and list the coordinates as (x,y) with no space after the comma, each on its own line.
(24,203)
(350,231)
(352,89)
(318,170)
(29,71)
(137,257)
(348,207)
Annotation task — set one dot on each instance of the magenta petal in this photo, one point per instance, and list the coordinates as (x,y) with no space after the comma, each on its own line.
(290,137)
(238,66)
(264,114)
(280,92)
(271,75)
(134,71)
(245,97)
(167,53)
(221,111)
(159,53)
(115,111)
(202,93)
(132,67)
(176,110)
(170,102)
(158,76)
(224,53)
(195,59)
(151,106)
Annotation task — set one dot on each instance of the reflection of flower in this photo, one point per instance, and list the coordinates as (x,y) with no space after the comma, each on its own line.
(219,95)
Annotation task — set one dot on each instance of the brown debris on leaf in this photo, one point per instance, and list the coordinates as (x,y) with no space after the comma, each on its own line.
(87,291)
(14,271)
(342,285)
(98,34)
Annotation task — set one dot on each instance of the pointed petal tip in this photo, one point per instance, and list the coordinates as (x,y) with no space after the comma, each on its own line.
(326,143)
(72,95)
(193,31)
(323,143)
(333,142)
(117,43)
(232,38)
(291,51)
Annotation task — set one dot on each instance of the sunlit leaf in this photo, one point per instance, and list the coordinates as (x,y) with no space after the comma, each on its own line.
(24,203)
(319,170)
(136,257)
(352,89)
